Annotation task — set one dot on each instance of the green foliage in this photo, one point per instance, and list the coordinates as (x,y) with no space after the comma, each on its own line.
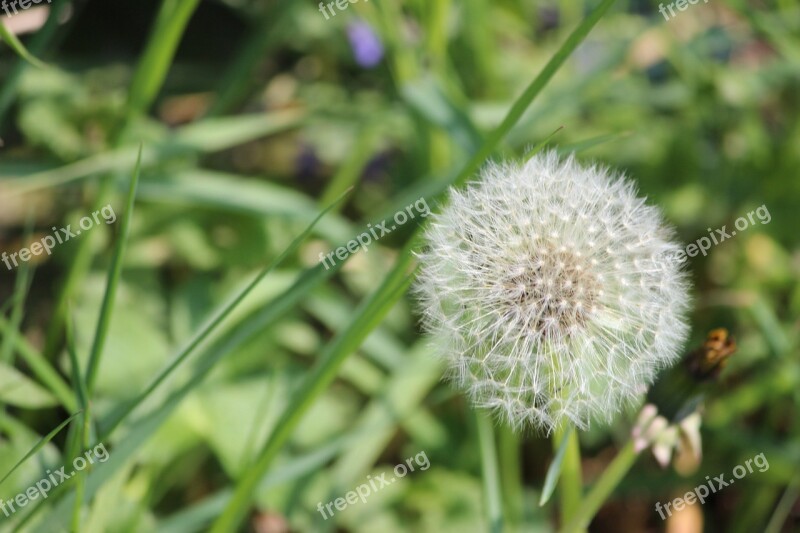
(231,393)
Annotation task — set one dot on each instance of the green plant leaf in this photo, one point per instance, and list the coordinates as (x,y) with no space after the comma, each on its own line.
(554,470)
(18,47)
(114,272)
(19,390)
(41,444)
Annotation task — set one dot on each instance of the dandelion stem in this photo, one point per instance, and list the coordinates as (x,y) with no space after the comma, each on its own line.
(603,488)
(570,490)
(491,471)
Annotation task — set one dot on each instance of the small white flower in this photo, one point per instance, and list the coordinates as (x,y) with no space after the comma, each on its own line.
(545,289)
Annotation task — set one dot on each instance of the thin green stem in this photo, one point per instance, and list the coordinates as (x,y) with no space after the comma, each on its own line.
(570,488)
(511,475)
(381,301)
(148,79)
(21,286)
(40,367)
(373,311)
(114,274)
(603,488)
(491,472)
(784,506)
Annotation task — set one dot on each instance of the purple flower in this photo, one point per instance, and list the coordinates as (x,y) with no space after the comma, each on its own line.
(367,48)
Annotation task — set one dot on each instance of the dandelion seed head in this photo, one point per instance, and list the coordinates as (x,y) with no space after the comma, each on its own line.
(543,286)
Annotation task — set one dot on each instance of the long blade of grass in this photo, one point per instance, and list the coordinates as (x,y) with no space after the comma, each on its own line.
(39,445)
(78,382)
(21,286)
(237,82)
(147,81)
(368,315)
(18,47)
(148,424)
(207,136)
(784,507)
(524,101)
(114,272)
(214,321)
(554,470)
(152,70)
(40,367)
(387,294)
(38,43)
(81,436)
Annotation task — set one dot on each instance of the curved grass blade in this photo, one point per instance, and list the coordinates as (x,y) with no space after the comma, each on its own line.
(39,366)
(114,271)
(18,47)
(554,470)
(369,314)
(541,144)
(387,294)
(210,135)
(22,284)
(524,101)
(145,426)
(152,69)
(38,43)
(213,322)
(47,438)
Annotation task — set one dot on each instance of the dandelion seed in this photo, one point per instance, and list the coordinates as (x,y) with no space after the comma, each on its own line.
(541,286)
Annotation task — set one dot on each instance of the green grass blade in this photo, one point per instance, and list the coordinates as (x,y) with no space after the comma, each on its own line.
(490,472)
(144,427)
(586,144)
(524,101)
(152,70)
(541,144)
(147,81)
(428,98)
(784,508)
(350,171)
(237,82)
(39,366)
(214,321)
(18,47)
(81,436)
(37,44)
(114,272)
(369,315)
(210,135)
(47,438)
(554,470)
(78,383)
(21,286)
(386,295)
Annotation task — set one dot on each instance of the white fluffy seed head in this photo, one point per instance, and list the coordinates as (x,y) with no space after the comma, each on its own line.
(545,287)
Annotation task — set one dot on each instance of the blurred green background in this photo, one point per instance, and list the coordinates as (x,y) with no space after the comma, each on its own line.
(253,116)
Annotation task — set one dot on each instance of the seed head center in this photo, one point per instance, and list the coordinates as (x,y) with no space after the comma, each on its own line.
(554,291)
